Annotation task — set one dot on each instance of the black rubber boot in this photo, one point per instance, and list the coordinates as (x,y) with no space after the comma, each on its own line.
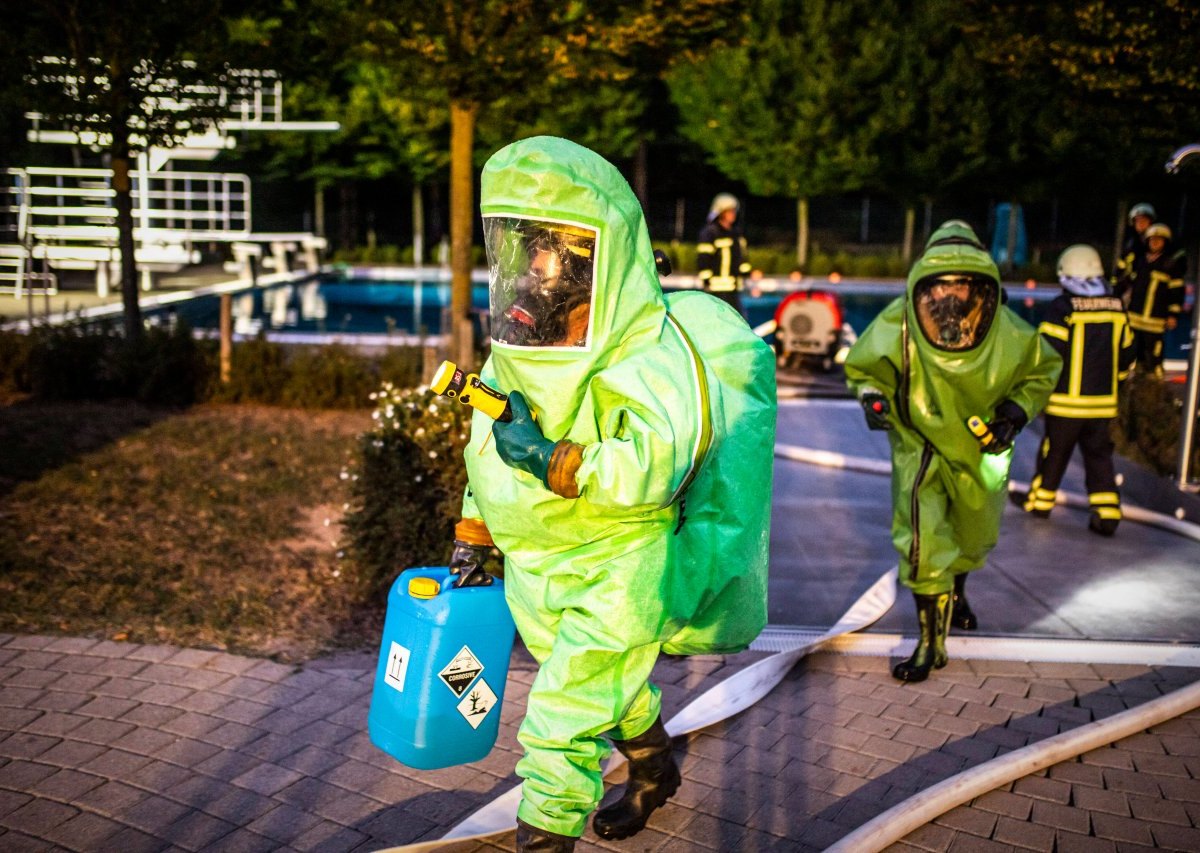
(962,617)
(653,778)
(1103,526)
(533,839)
(933,616)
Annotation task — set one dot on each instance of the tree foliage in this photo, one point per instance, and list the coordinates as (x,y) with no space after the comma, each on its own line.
(793,110)
(129,81)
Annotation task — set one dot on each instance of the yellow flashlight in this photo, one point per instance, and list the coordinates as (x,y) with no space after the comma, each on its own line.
(981,431)
(452,381)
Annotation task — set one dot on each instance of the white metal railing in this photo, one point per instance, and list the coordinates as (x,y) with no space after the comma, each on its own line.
(51,205)
(66,219)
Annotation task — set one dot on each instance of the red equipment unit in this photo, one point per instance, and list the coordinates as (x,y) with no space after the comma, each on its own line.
(808,326)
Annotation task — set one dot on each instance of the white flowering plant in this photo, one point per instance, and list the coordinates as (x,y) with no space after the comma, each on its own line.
(407,492)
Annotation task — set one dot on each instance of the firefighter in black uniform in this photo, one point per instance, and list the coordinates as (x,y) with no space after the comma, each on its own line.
(1153,294)
(721,253)
(1088,327)
(1141,217)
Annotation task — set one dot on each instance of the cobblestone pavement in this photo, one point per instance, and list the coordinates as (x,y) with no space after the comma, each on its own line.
(120,747)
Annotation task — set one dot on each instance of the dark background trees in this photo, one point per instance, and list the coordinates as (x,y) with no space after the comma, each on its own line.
(815,111)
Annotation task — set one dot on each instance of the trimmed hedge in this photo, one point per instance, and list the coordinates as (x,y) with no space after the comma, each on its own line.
(169,366)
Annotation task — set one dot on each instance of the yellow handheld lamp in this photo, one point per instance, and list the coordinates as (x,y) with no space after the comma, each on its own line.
(980,430)
(452,381)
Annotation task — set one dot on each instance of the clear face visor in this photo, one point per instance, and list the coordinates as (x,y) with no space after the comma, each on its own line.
(540,281)
(955,310)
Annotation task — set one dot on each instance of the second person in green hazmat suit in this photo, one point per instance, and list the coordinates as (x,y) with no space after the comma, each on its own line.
(630,492)
(945,352)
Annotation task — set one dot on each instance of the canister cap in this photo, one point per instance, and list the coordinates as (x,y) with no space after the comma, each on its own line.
(424,588)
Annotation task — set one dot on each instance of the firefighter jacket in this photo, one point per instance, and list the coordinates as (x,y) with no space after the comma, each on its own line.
(1133,248)
(1092,335)
(1154,290)
(722,258)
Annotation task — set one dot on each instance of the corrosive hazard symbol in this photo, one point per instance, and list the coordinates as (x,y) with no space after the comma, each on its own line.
(461,671)
(397,666)
(475,705)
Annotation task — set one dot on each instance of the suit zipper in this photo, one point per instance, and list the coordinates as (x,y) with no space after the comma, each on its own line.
(914,550)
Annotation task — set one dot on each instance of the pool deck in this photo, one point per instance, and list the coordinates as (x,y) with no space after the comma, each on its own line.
(119,746)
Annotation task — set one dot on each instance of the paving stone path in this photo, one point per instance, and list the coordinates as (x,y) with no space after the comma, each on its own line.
(121,747)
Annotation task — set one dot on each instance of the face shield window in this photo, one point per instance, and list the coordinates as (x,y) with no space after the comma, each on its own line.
(540,281)
(955,310)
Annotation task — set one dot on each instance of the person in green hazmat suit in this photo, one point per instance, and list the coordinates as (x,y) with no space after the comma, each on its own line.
(954,375)
(630,492)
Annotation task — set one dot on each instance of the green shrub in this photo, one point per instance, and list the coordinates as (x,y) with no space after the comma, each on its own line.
(314,377)
(1148,424)
(682,256)
(408,486)
(328,377)
(14,361)
(77,361)
(258,374)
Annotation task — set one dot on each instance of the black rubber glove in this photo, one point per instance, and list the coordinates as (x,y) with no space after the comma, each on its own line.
(467,561)
(1008,420)
(876,408)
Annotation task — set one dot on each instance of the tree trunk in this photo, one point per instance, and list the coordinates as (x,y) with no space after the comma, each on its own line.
(1119,237)
(1010,259)
(123,202)
(801,232)
(641,181)
(319,209)
(462,210)
(910,223)
(418,216)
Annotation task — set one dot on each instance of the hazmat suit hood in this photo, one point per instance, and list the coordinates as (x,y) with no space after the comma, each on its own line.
(953,294)
(936,389)
(547,179)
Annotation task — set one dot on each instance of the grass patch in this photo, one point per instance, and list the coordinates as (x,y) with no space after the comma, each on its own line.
(214,527)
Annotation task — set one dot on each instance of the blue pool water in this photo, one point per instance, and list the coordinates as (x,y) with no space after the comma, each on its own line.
(373,307)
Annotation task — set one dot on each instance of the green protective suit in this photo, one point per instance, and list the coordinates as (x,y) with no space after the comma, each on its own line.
(947,495)
(599,584)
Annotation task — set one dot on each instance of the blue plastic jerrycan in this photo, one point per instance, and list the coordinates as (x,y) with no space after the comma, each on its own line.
(443,664)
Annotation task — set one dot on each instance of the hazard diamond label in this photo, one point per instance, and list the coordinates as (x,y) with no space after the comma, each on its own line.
(460,672)
(477,703)
(397,666)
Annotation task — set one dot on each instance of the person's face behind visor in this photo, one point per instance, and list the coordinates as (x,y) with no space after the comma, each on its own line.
(955,310)
(540,282)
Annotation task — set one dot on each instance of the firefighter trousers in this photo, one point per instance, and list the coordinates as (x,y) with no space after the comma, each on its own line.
(1096,445)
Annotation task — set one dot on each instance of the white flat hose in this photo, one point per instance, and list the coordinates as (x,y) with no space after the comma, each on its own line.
(869,465)
(719,702)
(910,815)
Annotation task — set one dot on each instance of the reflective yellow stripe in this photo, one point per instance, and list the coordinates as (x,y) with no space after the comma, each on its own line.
(705,274)
(723,242)
(1098,317)
(1053,331)
(1113,512)
(1147,324)
(1104,498)
(704,247)
(1073,412)
(722,283)
(1085,401)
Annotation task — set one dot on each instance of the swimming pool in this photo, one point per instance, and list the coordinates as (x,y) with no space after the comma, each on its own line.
(405,311)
